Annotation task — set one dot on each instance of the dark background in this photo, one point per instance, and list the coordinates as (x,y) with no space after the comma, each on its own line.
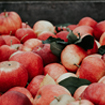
(57,12)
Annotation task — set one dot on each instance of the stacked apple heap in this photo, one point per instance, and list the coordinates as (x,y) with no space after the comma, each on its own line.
(51,64)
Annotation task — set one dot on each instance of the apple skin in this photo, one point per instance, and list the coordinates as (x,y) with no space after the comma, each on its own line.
(14,98)
(83,30)
(72,54)
(79,91)
(102,39)
(44,51)
(23,34)
(63,35)
(43,25)
(5,52)
(9,22)
(92,68)
(81,102)
(72,26)
(102,80)
(99,29)
(23,90)
(8,39)
(45,94)
(95,93)
(31,61)
(12,74)
(2,42)
(87,21)
(34,84)
(30,44)
(55,70)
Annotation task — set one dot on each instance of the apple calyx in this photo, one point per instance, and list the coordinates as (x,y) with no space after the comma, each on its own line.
(23,37)
(26,24)
(9,64)
(11,43)
(79,101)
(38,96)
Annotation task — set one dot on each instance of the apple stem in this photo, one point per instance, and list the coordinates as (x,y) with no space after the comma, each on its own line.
(56,98)
(26,24)
(23,37)
(79,101)
(11,43)
(5,13)
(10,33)
(77,65)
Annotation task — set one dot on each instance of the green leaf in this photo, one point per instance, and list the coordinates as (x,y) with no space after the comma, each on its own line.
(51,39)
(101,50)
(72,38)
(72,83)
(86,42)
(57,48)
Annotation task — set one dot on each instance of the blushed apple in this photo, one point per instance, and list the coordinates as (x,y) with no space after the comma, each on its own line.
(71,56)
(14,98)
(30,44)
(46,94)
(23,34)
(9,22)
(92,68)
(23,90)
(99,29)
(2,42)
(45,35)
(55,70)
(31,61)
(63,35)
(10,40)
(45,52)
(43,25)
(79,91)
(72,26)
(5,52)
(34,84)
(12,74)
(95,93)
(102,39)
(87,21)
(25,25)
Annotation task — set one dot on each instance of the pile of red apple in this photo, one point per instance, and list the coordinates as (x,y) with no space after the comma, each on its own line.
(51,65)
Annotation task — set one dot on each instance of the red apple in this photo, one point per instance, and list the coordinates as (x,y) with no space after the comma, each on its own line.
(25,25)
(31,61)
(9,21)
(5,52)
(30,44)
(2,42)
(12,74)
(99,29)
(34,84)
(43,25)
(79,91)
(10,40)
(44,51)
(95,93)
(63,35)
(87,21)
(81,102)
(14,98)
(83,30)
(23,90)
(55,70)
(46,94)
(92,68)
(45,35)
(71,56)
(23,34)
(72,26)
